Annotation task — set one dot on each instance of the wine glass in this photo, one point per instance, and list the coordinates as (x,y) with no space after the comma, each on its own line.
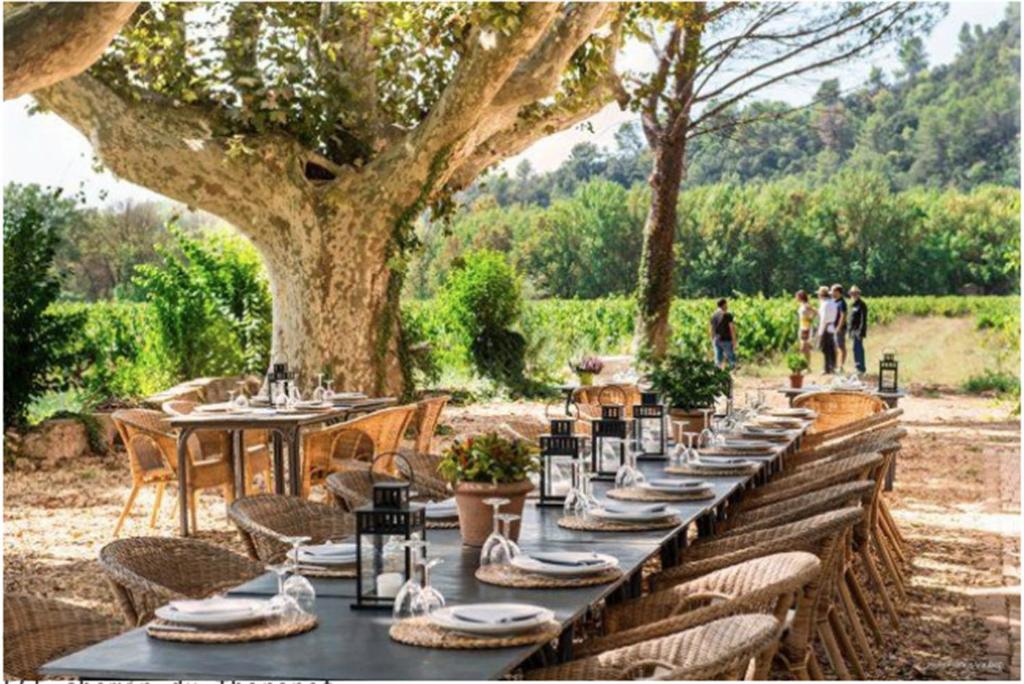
(298,587)
(231,400)
(495,549)
(429,599)
(329,390)
(407,598)
(707,437)
(282,604)
(241,402)
(628,475)
(587,475)
(576,500)
(280,397)
(318,393)
(690,455)
(506,520)
(294,397)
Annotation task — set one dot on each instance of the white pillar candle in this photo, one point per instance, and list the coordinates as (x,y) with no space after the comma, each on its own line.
(388,584)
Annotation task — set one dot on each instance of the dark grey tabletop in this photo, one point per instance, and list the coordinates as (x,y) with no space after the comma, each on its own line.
(350,644)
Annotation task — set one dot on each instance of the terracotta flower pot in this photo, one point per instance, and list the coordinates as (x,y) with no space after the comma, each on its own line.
(693,421)
(796,380)
(476,518)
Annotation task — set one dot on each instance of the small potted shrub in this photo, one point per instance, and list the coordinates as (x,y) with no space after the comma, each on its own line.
(797,364)
(586,368)
(485,466)
(690,382)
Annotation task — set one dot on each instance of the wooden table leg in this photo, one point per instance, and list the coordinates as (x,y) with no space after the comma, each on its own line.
(238,462)
(183,436)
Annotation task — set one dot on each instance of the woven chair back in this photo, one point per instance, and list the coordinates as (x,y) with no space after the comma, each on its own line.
(835,409)
(425,420)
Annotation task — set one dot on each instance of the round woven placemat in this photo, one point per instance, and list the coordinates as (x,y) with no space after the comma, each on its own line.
(572,522)
(345,571)
(640,494)
(452,524)
(261,631)
(689,469)
(419,631)
(509,576)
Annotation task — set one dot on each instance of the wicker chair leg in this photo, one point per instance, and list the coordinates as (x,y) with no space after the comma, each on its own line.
(835,655)
(814,667)
(192,510)
(876,579)
(156,504)
(857,593)
(846,648)
(886,514)
(885,533)
(891,568)
(127,507)
(859,635)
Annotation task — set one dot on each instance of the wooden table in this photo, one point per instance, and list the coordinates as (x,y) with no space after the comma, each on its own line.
(351,644)
(285,429)
(891,399)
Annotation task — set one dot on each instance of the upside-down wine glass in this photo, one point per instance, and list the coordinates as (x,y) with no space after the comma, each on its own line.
(407,598)
(429,598)
(298,587)
(507,520)
(707,437)
(495,549)
(281,604)
(576,500)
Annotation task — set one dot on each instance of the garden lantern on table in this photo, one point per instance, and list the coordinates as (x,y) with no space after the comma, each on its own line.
(608,442)
(558,451)
(649,426)
(383,563)
(888,373)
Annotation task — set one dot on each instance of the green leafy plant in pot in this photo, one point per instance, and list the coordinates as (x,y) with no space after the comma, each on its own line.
(798,365)
(690,382)
(485,466)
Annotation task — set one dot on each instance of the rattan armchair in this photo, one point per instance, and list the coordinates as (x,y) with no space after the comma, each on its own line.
(722,649)
(353,486)
(38,630)
(845,439)
(835,409)
(811,479)
(265,520)
(424,423)
(590,399)
(799,507)
(361,439)
(147,572)
(152,448)
(217,443)
(765,585)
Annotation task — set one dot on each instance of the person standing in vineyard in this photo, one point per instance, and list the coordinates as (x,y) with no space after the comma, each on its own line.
(805,314)
(828,316)
(723,335)
(841,323)
(858,328)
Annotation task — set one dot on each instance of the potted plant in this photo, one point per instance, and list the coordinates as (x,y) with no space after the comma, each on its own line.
(690,382)
(798,365)
(485,466)
(586,368)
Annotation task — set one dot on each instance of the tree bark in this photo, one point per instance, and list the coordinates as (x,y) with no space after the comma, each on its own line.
(47,42)
(657,260)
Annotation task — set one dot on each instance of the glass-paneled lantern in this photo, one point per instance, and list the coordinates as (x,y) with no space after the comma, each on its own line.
(383,563)
(558,450)
(608,442)
(649,426)
(888,372)
(279,375)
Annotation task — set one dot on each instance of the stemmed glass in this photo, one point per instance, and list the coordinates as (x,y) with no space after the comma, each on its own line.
(495,549)
(294,397)
(586,479)
(241,402)
(707,437)
(429,599)
(282,604)
(507,520)
(297,587)
(576,500)
(329,390)
(318,393)
(407,598)
(280,398)
(628,475)
(690,455)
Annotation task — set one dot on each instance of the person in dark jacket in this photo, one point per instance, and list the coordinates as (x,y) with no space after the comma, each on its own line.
(858,328)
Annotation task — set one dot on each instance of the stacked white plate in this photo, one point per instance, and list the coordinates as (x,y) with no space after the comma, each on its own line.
(491,619)
(222,407)
(748,444)
(565,563)
(674,486)
(792,413)
(723,463)
(313,405)
(632,513)
(442,510)
(329,554)
(216,613)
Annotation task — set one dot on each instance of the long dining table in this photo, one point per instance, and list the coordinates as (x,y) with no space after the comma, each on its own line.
(354,644)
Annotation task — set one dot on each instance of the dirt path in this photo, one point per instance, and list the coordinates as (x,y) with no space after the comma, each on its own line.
(957,499)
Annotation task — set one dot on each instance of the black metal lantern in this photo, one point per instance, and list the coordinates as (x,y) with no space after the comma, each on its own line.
(383,564)
(888,373)
(279,373)
(558,450)
(649,427)
(608,442)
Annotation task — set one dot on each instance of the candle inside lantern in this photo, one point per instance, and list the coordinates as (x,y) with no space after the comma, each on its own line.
(388,584)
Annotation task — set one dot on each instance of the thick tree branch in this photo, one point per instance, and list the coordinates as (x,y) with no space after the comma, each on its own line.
(171,150)
(49,41)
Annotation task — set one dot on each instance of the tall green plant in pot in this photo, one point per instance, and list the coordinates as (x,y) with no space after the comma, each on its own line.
(690,382)
(798,365)
(485,466)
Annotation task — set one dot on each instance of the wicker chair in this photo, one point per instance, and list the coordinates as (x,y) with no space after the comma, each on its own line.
(810,479)
(218,442)
(764,585)
(359,439)
(38,630)
(265,520)
(353,486)
(722,649)
(843,439)
(590,399)
(424,423)
(147,572)
(153,459)
(803,506)
(836,409)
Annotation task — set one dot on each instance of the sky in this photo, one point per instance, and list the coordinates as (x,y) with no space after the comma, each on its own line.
(43,149)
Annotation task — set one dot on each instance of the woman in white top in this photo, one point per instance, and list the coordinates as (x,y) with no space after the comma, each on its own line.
(828,315)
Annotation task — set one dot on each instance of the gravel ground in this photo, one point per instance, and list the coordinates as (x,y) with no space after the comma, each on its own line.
(57,519)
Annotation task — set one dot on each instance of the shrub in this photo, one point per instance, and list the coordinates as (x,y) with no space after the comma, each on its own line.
(992,381)
(796,363)
(489,458)
(689,380)
(484,298)
(36,337)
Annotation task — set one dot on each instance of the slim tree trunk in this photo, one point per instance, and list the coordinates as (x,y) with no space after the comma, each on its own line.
(657,261)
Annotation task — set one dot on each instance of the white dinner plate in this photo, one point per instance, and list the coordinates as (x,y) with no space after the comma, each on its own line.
(632,513)
(442,510)
(491,618)
(792,413)
(533,563)
(748,444)
(343,553)
(724,463)
(222,407)
(216,612)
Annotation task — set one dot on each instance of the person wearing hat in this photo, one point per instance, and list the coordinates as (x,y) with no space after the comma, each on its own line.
(841,321)
(858,328)
(828,316)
